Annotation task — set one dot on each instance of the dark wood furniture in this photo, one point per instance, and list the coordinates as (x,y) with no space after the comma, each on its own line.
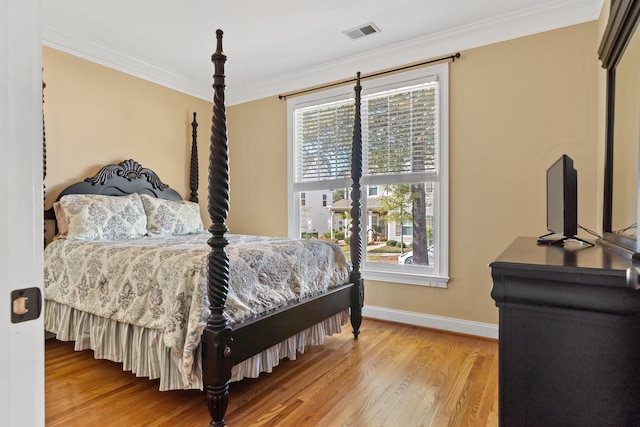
(569,336)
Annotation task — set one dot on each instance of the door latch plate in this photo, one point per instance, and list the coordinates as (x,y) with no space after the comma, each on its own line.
(26,304)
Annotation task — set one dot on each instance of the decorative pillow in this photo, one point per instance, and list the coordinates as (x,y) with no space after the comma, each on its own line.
(169,217)
(61,222)
(98,217)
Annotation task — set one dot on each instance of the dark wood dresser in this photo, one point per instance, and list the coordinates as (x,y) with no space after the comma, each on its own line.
(569,336)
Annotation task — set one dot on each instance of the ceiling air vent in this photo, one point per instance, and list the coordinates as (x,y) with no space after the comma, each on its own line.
(362,30)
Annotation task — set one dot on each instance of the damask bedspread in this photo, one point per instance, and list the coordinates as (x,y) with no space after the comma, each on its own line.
(160,282)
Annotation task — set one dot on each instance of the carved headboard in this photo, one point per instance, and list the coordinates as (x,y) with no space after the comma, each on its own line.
(124,178)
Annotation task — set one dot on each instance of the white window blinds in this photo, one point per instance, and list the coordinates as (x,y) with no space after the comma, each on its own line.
(323,136)
(399,128)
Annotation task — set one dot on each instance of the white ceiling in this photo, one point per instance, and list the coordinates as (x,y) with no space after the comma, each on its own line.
(276,46)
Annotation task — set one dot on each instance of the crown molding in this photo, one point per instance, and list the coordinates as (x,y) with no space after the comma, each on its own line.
(534,20)
(506,27)
(104,55)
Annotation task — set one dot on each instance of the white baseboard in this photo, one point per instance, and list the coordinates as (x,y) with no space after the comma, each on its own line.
(486,330)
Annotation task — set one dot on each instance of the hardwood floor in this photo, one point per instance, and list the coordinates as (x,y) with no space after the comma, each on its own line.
(393,375)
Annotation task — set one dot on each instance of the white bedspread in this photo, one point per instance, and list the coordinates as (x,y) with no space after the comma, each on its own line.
(159,283)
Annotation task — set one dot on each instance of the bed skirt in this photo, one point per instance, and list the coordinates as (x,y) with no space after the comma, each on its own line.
(143,352)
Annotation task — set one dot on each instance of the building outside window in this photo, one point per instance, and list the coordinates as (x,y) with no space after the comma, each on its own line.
(405,150)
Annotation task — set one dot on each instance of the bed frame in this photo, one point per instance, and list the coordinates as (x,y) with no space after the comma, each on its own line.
(224,345)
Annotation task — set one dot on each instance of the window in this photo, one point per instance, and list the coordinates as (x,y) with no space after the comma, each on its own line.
(303,199)
(407,228)
(324,200)
(405,177)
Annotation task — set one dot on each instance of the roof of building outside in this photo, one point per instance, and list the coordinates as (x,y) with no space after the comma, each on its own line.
(373,204)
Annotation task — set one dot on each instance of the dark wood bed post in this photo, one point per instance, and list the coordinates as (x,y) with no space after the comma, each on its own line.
(44,147)
(217,342)
(44,166)
(357,293)
(193,170)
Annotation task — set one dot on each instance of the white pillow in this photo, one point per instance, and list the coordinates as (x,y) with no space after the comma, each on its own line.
(98,217)
(169,217)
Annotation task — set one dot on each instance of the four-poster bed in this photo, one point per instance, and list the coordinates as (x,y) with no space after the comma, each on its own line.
(231,338)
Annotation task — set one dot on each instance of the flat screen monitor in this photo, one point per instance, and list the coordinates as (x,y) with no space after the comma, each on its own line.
(562,198)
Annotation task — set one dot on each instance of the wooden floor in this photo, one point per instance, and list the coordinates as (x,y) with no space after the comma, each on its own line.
(393,375)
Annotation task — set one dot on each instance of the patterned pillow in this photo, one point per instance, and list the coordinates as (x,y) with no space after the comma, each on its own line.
(98,217)
(168,217)
(61,222)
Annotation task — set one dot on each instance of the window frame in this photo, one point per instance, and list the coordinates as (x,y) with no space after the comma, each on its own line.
(436,275)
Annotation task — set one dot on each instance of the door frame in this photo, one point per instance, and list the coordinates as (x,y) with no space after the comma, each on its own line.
(21,229)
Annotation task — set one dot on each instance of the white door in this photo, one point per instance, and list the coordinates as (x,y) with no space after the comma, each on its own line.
(22,344)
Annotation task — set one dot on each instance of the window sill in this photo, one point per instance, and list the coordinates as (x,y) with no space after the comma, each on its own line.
(419,279)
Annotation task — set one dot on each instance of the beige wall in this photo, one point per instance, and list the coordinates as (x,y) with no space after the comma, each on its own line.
(515,107)
(257,133)
(95,115)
